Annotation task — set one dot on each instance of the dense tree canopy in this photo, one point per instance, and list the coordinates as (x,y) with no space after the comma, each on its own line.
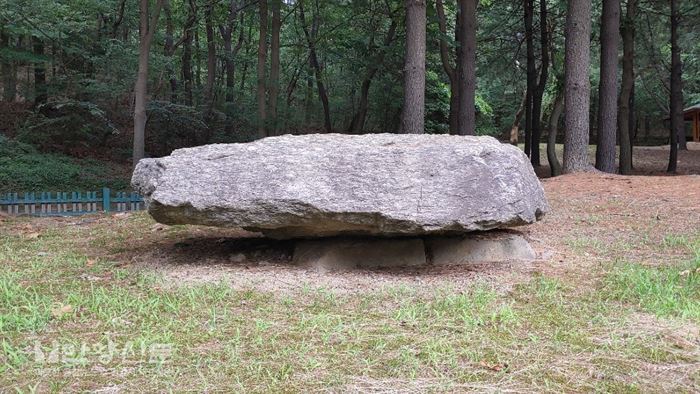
(256,68)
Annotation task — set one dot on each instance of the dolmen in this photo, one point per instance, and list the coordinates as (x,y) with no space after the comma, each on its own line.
(355,200)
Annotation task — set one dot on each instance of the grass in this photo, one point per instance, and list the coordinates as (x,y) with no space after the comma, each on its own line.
(664,291)
(57,296)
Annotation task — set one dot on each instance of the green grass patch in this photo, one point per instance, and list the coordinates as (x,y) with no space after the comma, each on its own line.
(664,291)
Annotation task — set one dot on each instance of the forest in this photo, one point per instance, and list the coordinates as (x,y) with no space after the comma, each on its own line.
(81,75)
(361,196)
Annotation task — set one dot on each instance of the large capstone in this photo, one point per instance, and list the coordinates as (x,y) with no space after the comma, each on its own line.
(333,184)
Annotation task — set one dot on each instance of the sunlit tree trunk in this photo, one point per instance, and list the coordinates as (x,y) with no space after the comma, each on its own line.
(262,62)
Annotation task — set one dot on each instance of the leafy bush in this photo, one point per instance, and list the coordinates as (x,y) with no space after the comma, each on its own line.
(173,126)
(23,168)
(71,127)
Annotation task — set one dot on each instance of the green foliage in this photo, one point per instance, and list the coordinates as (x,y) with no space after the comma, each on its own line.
(23,168)
(67,127)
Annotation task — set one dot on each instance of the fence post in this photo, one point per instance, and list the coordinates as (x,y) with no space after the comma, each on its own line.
(105,199)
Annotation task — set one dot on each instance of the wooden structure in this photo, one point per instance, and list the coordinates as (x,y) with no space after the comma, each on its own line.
(692,114)
(69,204)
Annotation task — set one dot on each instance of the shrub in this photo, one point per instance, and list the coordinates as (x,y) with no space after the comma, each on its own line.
(71,127)
(23,168)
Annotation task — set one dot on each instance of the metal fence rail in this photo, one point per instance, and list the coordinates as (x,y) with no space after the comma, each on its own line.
(69,203)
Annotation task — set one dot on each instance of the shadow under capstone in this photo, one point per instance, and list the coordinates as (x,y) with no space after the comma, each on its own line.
(349,253)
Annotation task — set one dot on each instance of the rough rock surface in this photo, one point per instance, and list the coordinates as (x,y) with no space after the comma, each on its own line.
(333,184)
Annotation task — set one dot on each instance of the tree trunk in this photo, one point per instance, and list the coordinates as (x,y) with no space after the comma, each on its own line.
(676,104)
(188,37)
(358,121)
(9,76)
(554,166)
(413,114)
(275,65)
(531,76)
(146,31)
(577,86)
(40,92)
(313,58)
(169,50)
(466,120)
(515,127)
(229,51)
(624,111)
(447,66)
(197,60)
(211,61)
(262,60)
(540,88)
(607,91)
(246,52)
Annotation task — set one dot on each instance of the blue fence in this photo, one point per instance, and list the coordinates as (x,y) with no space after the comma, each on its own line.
(67,204)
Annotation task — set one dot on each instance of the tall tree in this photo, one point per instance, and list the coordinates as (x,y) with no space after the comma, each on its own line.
(9,75)
(676,98)
(413,112)
(624,126)
(147,29)
(169,49)
(531,73)
(211,60)
(607,92)
(376,59)
(538,94)
(230,52)
(315,64)
(557,109)
(188,38)
(448,67)
(40,92)
(275,65)
(577,86)
(262,61)
(467,68)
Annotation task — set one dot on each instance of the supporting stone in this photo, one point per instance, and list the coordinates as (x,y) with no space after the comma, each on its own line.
(482,248)
(332,254)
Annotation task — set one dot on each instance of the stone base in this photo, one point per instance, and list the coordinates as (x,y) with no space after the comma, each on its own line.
(483,248)
(347,253)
